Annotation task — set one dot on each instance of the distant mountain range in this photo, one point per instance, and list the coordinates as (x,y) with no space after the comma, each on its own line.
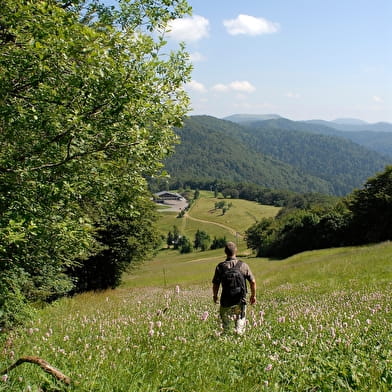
(277,153)
(341,124)
(376,137)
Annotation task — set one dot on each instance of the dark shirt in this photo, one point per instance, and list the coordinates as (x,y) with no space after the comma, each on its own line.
(224,265)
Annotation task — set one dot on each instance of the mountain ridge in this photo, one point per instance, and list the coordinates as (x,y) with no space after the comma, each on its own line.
(342,124)
(271,153)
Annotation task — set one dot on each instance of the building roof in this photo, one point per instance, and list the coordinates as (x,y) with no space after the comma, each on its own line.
(166,193)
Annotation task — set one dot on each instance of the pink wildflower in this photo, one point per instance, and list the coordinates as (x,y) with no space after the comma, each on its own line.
(4,377)
(268,367)
(204,316)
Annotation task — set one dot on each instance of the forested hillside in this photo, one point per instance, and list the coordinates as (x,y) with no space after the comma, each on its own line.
(341,162)
(272,153)
(212,149)
(376,137)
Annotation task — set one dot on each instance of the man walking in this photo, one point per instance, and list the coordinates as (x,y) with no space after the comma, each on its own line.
(232,275)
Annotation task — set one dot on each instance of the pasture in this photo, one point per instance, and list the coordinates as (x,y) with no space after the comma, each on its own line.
(322,322)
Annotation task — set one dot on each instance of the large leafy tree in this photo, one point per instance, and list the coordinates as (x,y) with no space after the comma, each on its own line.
(371,208)
(88,100)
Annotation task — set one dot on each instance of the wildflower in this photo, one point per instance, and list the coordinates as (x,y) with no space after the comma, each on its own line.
(268,367)
(158,324)
(4,377)
(281,319)
(66,338)
(178,289)
(151,332)
(204,316)
(368,321)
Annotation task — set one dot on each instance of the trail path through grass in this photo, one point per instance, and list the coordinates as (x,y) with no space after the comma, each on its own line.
(230,229)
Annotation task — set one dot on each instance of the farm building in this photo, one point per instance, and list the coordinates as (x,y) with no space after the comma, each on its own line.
(165,195)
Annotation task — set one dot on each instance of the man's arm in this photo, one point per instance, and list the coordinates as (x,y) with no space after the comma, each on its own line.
(215,289)
(252,298)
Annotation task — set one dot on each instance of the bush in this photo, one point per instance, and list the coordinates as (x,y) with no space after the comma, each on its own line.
(12,299)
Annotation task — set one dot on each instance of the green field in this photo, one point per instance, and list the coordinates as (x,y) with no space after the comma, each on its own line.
(240,216)
(323,322)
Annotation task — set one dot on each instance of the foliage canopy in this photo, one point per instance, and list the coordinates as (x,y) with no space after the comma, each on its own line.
(87,105)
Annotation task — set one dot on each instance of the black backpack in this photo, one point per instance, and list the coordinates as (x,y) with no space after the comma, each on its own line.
(233,286)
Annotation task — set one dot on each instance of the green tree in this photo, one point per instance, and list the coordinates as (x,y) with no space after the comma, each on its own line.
(87,107)
(202,240)
(218,243)
(185,245)
(176,237)
(220,205)
(127,241)
(257,235)
(371,208)
(169,239)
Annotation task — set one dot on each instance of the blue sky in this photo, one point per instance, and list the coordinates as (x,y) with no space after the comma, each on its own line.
(301,59)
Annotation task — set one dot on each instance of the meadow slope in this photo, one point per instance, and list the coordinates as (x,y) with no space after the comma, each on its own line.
(322,323)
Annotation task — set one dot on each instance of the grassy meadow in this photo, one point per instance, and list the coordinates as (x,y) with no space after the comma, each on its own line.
(322,322)
(203,216)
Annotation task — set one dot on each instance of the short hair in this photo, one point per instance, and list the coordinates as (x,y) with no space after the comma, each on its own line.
(231,249)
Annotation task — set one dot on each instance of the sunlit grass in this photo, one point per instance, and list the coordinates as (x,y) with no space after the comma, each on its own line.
(323,322)
(311,330)
(241,215)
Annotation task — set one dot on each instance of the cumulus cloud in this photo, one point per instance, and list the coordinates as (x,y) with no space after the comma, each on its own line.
(241,86)
(250,25)
(191,28)
(193,85)
(377,99)
(221,88)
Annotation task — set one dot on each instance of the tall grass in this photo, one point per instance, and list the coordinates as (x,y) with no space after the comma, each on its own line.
(323,322)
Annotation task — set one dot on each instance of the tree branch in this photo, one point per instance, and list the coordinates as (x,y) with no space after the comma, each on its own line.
(43,365)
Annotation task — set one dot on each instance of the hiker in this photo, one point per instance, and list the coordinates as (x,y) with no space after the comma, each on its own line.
(232,275)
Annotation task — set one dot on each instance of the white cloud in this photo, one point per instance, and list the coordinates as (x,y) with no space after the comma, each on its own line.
(196,57)
(241,86)
(292,95)
(250,25)
(191,28)
(220,88)
(377,99)
(196,86)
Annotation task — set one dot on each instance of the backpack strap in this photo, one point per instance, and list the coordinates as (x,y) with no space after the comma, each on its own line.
(238,264)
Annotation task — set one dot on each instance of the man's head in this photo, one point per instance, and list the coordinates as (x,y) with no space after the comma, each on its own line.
(230,249)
